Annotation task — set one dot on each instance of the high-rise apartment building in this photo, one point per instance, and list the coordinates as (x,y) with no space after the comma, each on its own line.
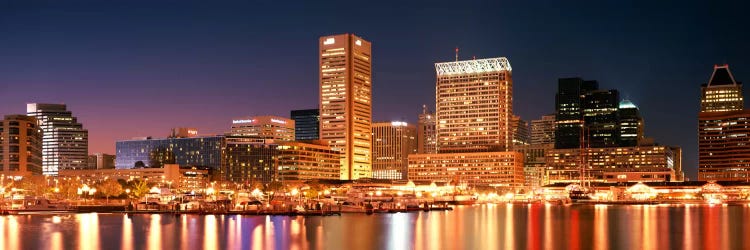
(306,124)
(474,127)
(346,101)
(426,132)
(392,143)
(64,140)
(20,146)
(543,130)
(474,101)
(263,127)
(723,129)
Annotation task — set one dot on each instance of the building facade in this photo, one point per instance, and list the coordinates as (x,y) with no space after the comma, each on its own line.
(521,133)
(474,101)
(170,175)
(101,161)
(393,142)
(306,124)
(474,127)
(426,132)
(497,169)
(723,129)
(154,153)
(250,162)
(346,101)
(534,163)
(308,161)
(543,130)
(273,128)
(569,110)
(20,146)
(631,124)
(64,140)
(612,164)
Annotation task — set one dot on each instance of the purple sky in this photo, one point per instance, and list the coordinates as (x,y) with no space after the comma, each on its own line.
(138,68)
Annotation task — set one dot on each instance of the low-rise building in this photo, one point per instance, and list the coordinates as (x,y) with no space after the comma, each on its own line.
(499,169)
(615,164)
(171,175)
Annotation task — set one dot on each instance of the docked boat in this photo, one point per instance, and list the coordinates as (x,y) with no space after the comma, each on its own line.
(38,204)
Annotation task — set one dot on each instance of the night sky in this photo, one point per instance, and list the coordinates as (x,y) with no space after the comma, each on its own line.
(138,68)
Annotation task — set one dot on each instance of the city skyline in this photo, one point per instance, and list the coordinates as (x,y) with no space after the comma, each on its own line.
(113,107)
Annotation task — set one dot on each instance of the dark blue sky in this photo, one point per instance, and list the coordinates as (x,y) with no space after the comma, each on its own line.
(136,68)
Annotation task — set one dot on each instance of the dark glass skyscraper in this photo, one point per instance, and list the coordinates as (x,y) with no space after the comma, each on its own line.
(600,118)
(569,110)
(307,124)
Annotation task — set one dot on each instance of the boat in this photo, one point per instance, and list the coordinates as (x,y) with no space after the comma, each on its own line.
(577,195)
(37,204)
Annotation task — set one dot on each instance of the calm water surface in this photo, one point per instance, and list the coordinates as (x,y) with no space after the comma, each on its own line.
(467,227)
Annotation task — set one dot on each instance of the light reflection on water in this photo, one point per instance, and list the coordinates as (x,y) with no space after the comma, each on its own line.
(467,227)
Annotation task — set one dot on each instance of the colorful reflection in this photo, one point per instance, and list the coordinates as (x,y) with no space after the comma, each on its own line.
(469,227)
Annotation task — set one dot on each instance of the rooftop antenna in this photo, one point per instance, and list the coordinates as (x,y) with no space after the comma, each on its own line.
(456,53)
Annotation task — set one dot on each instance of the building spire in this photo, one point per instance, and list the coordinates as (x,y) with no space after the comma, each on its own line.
(456,53)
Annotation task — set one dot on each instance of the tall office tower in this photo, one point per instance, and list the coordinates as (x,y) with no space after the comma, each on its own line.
(723,129)
(521,134)
(543,130)
(569,111)
(20,146)
(263,127)
(581,107)
(722,92)
(392,143)
(306,124)
(631,124)
(346,102)
(426,132)
(474,105)
(600,118)
(474,127)
(65,143)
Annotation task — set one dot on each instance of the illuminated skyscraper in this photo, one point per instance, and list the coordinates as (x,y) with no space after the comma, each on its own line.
(20,146)
(346,102)
(393,142)
(474,101)
(426,133)
(631,124)
(65,143)
(722,92)
(723,129)
(474,127)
